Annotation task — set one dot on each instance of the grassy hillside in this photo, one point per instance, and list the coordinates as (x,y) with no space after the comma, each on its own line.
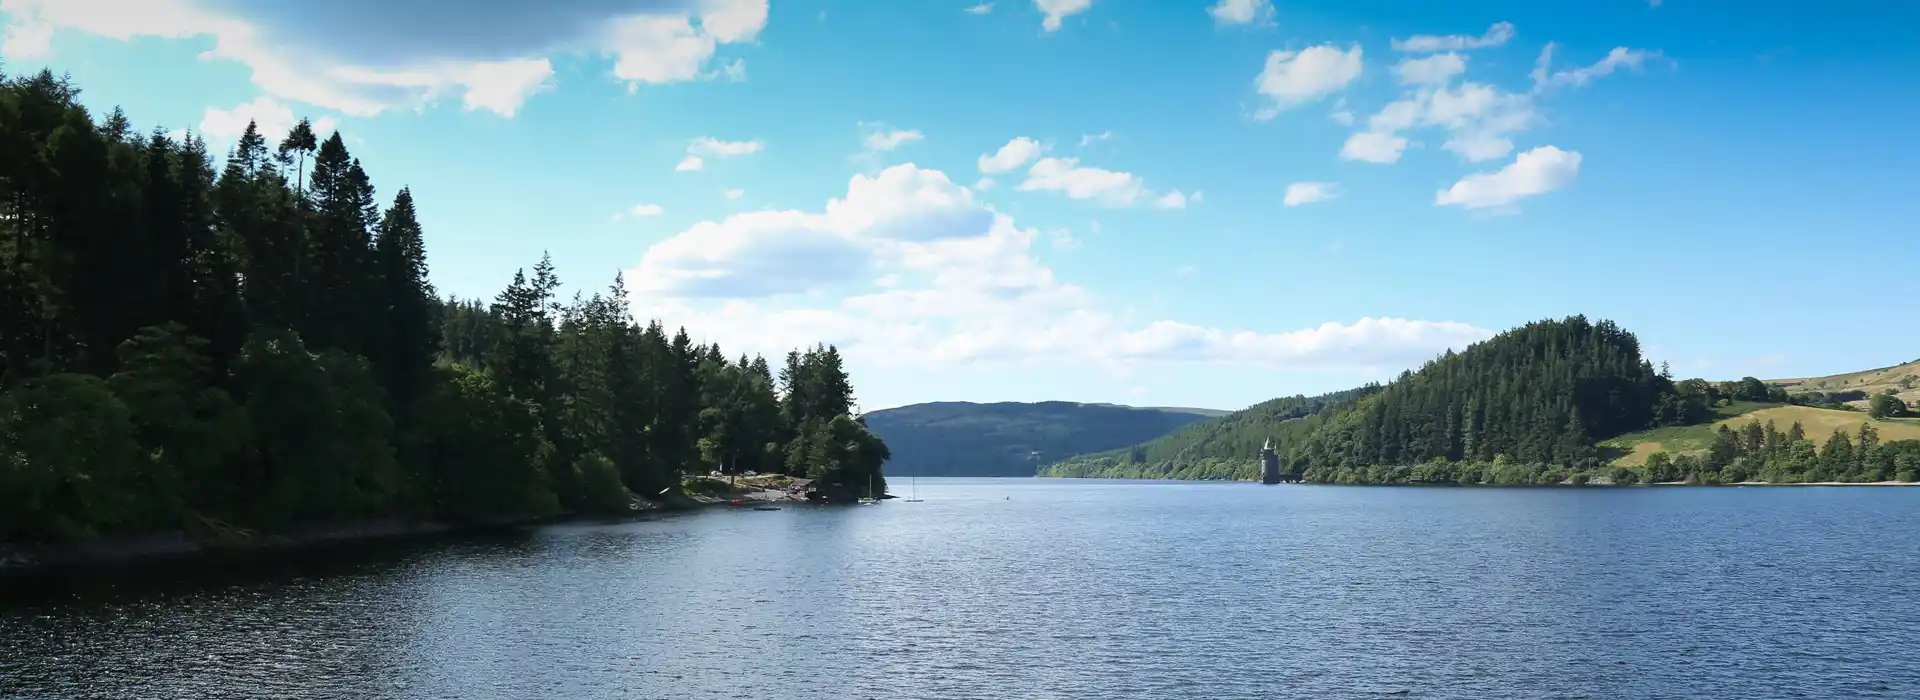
(1010,439)
(1903,379)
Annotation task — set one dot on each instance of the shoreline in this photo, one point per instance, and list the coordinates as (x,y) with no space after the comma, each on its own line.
(1568,484)
(21,561)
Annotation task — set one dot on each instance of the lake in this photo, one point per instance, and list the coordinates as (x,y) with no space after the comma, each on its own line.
(1030,589)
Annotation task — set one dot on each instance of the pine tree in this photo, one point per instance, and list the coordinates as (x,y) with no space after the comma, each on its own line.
(300,141)
(409,336)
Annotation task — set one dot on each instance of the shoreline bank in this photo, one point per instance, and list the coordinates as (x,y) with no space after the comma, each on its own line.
(20,561)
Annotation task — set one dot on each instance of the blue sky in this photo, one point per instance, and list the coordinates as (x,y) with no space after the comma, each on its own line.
(1190,203)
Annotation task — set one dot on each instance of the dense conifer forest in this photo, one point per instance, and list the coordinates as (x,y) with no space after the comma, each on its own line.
(1525,407)
(253,344)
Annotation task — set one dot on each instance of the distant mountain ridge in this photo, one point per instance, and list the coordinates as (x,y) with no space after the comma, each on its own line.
(961,438)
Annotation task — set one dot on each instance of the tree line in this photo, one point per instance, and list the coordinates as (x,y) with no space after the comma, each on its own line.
(1528,406)
(255,345)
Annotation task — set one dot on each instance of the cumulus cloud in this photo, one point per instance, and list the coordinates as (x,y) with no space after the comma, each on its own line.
(908,268)
(1496,35)
(1292,78)
(1018,152)
(708,147)
(1438,69)
(1242,11)
(269,115)
(1056,10)
(1478,118)
(980,9)
(1174,200)
(880,139)
(1309,192)
(1534,172)
(1374,147)
(364,57)
(640,211)
(1067,176)
(1619,57)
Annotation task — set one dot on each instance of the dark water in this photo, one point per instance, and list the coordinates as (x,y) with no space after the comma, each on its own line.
(1071,589)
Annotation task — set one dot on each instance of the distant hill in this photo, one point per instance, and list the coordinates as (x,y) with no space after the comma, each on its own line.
(1903,379)
(1223,448)
(1567,401)
(958,438)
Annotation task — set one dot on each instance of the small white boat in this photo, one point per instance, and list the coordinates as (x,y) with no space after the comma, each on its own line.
(868,499)
(914,495)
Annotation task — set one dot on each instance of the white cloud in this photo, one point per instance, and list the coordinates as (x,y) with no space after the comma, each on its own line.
(1291,78)
(775,252)
(1477,116)
(344,57)
(1619,57)
(1438,69)
(1241,11)
(884,140)
(983,184)
(638,211)
(980,9)
(1534,172)
(502,86)
(1068,177)
(733,193)
(708,147)
(1496,35)
(26,40)
(1374,147)
(1309,192)
(1183,271)
(1056,10)
(1090,139)
(1016,153)
(1171,200)
(909,269)
(270,116)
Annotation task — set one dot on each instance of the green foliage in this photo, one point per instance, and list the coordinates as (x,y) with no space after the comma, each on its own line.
(600,481)
(67,458)
(1886,406)
(483,451)
(263,350)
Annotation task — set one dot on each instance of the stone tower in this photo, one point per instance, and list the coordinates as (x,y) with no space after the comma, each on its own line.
(1269,464)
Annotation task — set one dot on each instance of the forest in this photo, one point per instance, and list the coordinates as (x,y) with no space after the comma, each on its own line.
(1528,406)
(253,345)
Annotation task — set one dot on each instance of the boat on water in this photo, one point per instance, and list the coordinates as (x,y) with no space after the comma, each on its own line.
(868,499)
(914,495)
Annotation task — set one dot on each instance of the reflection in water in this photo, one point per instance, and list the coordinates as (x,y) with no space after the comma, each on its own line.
(1069,590)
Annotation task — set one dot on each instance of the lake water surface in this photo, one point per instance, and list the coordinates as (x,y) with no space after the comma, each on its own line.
(1028,589)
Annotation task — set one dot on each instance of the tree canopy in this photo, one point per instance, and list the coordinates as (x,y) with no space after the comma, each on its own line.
(259,345)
